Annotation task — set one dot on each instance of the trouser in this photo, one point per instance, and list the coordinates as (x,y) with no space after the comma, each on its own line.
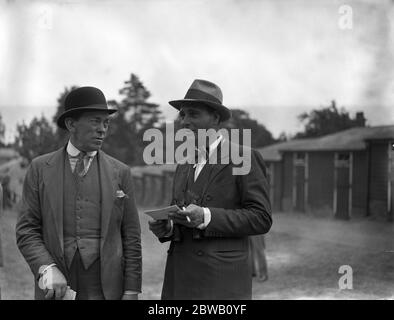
(86,283)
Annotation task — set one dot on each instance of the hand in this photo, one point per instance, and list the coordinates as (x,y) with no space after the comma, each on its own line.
(59,285)
(195,214)
(160,228)
(130,297)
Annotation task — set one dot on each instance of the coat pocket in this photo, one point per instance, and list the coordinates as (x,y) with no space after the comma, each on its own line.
(230,254)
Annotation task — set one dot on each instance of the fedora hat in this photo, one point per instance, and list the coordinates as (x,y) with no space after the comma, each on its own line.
(207,93)
(81,100)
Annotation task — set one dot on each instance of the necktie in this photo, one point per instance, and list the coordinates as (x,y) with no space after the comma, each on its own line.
(201,156)
(79,170)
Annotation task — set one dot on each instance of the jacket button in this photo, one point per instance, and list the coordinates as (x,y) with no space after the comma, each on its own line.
(200,253)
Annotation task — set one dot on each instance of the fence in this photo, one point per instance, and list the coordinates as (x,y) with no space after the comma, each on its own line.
(153,185)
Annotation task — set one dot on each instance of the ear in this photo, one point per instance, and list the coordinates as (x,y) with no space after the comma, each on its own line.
(216,118)
(70,124)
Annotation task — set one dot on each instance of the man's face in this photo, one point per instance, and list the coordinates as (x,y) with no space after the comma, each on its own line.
(89,131)
(198,117)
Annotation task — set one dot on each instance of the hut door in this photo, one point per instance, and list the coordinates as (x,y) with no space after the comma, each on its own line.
(300,181)
(342,184)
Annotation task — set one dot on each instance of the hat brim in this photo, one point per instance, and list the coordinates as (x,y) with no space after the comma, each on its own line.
(223,111)
(72,112)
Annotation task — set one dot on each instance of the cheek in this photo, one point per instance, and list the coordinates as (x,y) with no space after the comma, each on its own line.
(86,133)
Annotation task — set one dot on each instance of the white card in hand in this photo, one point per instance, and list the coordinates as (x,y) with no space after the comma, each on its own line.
(70,294)
(162,214)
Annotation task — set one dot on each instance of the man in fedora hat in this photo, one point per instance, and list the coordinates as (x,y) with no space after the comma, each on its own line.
(78,225)
(208,254)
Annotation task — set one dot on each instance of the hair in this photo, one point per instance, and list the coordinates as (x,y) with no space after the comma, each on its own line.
(73,115)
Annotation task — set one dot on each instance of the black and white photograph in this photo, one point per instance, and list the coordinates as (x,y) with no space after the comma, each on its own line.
(224,150)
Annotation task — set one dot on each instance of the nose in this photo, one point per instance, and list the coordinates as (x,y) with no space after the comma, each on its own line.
(102,128)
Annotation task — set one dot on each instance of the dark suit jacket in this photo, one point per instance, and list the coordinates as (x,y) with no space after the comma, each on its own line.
(39,230)
(213,263)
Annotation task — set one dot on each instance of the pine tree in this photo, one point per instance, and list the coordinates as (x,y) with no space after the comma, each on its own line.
(135,115)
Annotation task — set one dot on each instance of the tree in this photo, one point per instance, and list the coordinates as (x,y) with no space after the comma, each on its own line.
(2,132)
(142,114)
(241,120)
(121,141)
(35,139)
(328,120)
(61,134)
(135,115)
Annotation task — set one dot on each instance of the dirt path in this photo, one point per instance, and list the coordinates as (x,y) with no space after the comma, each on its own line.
(304,256)
(375,236)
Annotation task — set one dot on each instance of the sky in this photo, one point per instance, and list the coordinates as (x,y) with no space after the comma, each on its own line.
(274,59)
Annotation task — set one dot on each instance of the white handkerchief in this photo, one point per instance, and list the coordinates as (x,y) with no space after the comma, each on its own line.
(120,194)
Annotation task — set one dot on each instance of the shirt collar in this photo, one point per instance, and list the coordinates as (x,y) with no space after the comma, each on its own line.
(213,145)
(74,151)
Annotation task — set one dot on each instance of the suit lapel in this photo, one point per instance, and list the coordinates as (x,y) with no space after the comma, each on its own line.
(53,179)
(181,180)
(108,177)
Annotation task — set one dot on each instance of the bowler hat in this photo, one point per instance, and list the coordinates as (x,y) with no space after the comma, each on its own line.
(81,100)
(207,93)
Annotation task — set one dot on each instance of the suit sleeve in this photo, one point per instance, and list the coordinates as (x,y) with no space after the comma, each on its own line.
(131,238)
(254,217)
(29,234)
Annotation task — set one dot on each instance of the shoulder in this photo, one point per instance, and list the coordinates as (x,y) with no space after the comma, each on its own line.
(248,153)
(248,161)
(115,162)
(45,158)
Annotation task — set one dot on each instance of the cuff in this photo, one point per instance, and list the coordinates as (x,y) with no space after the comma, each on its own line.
(207,219)
(130,292)
(43,269)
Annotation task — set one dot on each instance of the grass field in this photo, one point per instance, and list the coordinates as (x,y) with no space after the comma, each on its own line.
(304,255)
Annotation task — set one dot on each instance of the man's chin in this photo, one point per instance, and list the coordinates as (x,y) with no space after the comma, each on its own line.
(96,145)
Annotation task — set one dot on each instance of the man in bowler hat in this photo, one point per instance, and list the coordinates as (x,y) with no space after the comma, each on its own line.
(78,219)
(208,254)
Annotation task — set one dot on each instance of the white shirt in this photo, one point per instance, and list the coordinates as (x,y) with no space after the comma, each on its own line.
(73,152)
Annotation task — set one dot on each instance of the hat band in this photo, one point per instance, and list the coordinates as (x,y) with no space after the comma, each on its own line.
(91,106)
(201,95)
